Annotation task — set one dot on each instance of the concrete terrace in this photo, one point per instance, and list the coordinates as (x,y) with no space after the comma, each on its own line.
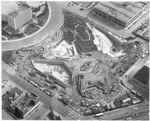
(123,11)
(66,73)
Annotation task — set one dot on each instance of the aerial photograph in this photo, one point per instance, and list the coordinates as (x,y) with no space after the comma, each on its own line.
(75,60)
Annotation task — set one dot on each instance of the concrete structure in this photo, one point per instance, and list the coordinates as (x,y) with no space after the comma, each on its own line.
(35,4)
(49,72)
(19,17)
(122,14)
(25,104)
(143,31)
(142,78)
(8,7)
(82,3)
(49,29)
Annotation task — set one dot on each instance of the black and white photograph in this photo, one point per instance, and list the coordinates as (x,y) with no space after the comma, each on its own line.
(75,60)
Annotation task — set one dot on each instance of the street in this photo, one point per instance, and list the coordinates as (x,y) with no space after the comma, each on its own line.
(127,112)
(65,111)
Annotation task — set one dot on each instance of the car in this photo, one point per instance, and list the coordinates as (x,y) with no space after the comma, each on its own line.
(135,108)
(135,114)
(11,64)
(35,85)
(21,75)
(42,89)
(49,93)
(129,118)
(32,82)
(26,78)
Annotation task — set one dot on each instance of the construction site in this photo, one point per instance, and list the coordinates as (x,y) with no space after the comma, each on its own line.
(80,66)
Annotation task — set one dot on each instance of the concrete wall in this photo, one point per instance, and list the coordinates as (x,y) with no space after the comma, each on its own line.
(23,18)
(11,22)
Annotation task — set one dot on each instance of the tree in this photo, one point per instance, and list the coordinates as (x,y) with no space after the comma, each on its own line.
(7,57)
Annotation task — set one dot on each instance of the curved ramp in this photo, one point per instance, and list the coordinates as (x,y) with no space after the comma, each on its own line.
(54,23)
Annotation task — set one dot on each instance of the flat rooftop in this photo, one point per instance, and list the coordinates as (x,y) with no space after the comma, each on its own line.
(123,11)
(143,75)
(23,103)
(8,6)
(19,11)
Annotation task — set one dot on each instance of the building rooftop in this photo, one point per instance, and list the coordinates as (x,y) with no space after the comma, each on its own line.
(143,75)
(123,11)
(35,3)
(83,3)
(8,7)
(23,103)
(19,11)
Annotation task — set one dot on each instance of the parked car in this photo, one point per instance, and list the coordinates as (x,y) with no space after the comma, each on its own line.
(135,108)
(49,93)
(36,85)
(42,89)
(129,118)
(31,82)
(21,75)
(135,114)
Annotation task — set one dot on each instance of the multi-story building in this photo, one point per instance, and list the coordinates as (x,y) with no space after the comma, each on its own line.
(7,7)
(142,78)
(122,14)
(143,31)
(25,104)
(19,17)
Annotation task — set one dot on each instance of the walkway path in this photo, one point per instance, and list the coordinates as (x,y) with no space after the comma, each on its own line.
(54,23)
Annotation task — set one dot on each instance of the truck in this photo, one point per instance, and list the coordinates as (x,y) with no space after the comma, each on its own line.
(99,114)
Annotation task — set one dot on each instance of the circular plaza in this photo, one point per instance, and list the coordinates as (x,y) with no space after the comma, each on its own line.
(35,34)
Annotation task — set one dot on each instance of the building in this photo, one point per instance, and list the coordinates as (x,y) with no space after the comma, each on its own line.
(143,31)
(84,45)
(82,3)
(19,17)
(8,7)
(35,4)
(25,104)
(121,14)
(142,78)
(58,71)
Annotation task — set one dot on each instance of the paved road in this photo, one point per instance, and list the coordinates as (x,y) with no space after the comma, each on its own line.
(50,29)
(131,72)
(64,111)
(139,115)
(127,112)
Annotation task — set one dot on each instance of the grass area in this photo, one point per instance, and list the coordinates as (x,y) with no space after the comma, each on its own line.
(31,30)
(7,57)
(43,17)
(4,24)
